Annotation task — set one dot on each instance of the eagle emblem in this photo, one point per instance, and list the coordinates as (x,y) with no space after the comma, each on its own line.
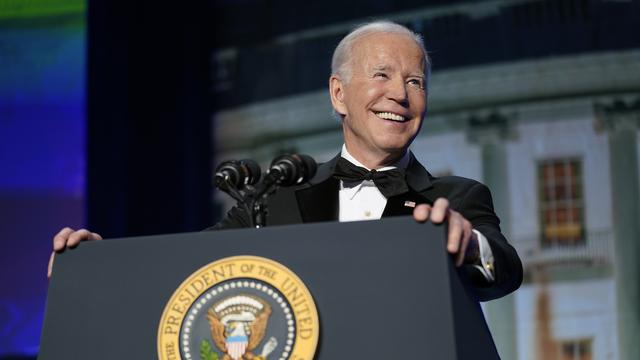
(238,325)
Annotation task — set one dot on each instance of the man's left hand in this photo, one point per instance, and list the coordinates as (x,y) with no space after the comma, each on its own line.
(462,242)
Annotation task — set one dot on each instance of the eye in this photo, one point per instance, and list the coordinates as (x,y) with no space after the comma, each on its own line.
(380,75)
(416,82)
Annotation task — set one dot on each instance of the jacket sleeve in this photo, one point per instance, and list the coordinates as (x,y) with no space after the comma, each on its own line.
(477,207)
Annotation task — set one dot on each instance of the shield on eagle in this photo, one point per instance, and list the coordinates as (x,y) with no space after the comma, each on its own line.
(238,324)
(236,346)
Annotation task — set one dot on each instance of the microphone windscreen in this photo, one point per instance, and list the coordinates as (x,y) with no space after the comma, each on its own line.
(310,165)
(237,174)
(294,169)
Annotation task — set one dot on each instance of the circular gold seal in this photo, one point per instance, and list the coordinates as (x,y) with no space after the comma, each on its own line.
(241,307)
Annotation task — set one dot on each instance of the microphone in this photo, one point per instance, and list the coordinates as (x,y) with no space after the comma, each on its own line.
(287,170)
(237,174)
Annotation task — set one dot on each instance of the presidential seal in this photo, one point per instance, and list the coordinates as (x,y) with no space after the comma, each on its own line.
(242,307)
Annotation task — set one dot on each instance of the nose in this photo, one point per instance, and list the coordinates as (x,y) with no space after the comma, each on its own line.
(397,91)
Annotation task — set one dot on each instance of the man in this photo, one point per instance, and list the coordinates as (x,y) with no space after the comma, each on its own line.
(378,88)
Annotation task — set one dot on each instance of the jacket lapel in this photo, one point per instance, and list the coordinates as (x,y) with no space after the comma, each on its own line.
(318,200)
(419,181)
(403,204)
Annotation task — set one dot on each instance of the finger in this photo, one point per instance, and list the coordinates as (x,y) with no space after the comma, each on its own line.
(76,237)
(439,211)
(50,267)
(60,239)
(421,213)
(96,236)
(455,233)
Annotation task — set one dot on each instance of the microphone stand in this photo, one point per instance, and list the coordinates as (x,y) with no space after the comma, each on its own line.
(259,196)
(243,199)
(252,199)
(259,213)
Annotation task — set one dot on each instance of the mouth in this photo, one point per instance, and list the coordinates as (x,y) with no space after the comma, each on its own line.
(391,116)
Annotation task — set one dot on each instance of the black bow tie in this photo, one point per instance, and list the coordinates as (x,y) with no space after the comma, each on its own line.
(389,182)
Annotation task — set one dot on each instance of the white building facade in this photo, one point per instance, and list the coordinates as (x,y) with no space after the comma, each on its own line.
(522,128)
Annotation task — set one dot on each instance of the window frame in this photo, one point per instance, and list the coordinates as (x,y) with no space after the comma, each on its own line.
(561,196)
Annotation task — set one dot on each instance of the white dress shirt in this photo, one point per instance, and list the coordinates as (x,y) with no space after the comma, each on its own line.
(363,201)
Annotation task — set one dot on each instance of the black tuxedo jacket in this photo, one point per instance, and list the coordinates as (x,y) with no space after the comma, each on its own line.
(317,200)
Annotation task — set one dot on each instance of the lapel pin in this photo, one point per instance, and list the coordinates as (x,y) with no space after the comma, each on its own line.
(410,204)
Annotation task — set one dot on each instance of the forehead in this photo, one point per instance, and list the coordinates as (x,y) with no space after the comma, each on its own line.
(389,50)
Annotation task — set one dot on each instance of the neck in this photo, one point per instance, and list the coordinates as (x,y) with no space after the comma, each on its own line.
(375,160)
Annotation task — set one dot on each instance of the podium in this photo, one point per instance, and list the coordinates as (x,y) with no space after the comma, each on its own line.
(383,290)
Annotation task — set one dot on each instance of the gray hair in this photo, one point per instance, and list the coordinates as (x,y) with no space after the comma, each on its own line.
(341,60)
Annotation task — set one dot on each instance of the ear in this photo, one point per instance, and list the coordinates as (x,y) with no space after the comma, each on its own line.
(336,90)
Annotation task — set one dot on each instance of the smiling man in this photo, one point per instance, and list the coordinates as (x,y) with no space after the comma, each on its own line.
(378,88)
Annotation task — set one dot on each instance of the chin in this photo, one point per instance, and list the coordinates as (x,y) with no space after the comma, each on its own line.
(395,146)
(394,150)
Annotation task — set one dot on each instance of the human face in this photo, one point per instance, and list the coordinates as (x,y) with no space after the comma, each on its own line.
(384,101)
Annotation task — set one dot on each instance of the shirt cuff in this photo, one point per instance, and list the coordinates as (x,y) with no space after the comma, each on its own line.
(485,265)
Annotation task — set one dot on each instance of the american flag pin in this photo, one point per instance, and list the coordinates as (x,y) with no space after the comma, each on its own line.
(410,204)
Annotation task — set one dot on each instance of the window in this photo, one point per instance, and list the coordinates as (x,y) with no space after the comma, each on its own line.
(575,350)
(561,202)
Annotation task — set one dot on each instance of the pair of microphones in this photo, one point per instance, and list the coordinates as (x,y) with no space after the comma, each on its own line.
(243,180)
(285,170)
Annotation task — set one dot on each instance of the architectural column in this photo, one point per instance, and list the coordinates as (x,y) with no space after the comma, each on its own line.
(490,133)
(621,121)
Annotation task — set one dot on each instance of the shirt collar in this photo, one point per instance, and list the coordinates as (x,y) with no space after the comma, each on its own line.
(401,164)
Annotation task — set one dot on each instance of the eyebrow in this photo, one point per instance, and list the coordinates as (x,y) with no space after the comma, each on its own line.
(381,67)
(385,67)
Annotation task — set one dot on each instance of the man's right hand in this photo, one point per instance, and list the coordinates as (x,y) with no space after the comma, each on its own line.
(69,238)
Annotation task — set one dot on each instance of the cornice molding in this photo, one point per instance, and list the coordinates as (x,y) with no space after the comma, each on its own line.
(469,90)
(619,115)
(492,128)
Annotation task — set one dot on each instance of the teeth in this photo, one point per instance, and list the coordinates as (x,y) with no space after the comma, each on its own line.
(390,116)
